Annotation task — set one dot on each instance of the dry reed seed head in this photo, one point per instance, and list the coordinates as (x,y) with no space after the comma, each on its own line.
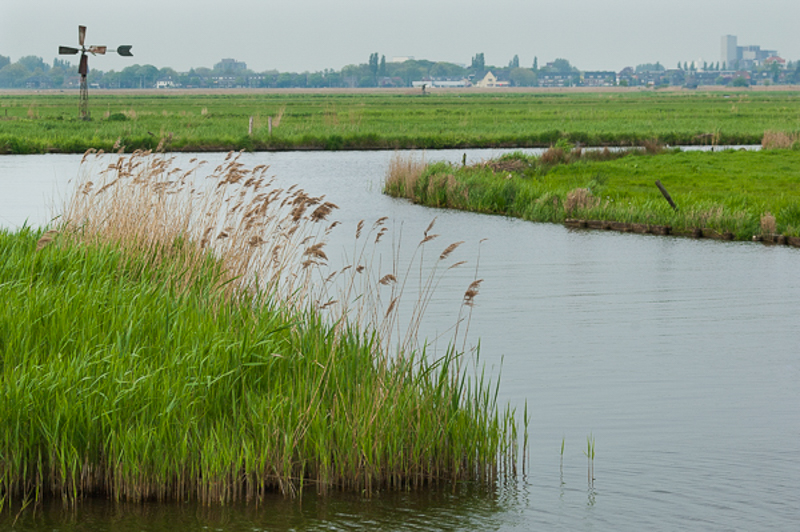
(359,227)
(580,198)
(768,223)
(430,226)
(472,291)
(322,212)
(391,307)
(316,251)
(449,249)
(380,221)
(457,264)
(380,234)
(359,268)
(328,304)
(388,278)
(428,238)
(298,212)
(46,239)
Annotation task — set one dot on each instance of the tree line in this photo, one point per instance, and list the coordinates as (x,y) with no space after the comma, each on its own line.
(33,72)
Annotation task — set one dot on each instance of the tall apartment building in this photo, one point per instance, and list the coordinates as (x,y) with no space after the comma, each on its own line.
(742,57)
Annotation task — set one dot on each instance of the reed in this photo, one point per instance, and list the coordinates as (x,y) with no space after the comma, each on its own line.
(589,453)
(162,343)
(780,140)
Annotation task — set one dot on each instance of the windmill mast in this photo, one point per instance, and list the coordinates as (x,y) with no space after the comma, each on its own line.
(83,68)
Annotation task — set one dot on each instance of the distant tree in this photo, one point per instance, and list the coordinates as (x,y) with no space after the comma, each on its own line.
(13,75)
(373,64)
(34,64)
(445,70)
(724,67)
(679,65)
(4,61)
(148,74)
(514,63)
(775,70)
(686,66)
(740,82)
(562,65)
(167,72)
(535,63)
(705,66)
(382,67)
(522,77)
(111,80)
(478,62)
(62,64)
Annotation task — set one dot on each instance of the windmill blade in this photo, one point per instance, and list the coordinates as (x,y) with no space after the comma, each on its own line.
(83,69)
(97,50)
(66,50)
(81,34)
(125,50)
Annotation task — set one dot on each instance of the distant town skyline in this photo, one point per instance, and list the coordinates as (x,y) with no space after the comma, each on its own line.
(312,35)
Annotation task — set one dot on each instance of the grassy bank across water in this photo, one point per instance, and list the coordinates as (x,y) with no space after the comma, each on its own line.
(47,122)
(160,346)
(739,193)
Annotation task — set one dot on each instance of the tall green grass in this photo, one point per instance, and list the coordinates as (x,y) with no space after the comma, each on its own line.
(158,345)
(729,191)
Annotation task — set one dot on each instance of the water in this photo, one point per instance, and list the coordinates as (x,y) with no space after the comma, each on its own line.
(680,357)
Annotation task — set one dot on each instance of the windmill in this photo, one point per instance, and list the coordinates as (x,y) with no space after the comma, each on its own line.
(83,68)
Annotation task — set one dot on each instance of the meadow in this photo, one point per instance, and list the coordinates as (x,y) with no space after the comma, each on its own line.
(731,194)
(188,121)
(161,343)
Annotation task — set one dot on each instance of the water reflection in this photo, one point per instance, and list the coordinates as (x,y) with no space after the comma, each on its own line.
(466,508)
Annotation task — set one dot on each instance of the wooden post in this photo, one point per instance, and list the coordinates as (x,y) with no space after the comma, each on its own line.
(666,195)
(250,129)
(269,125)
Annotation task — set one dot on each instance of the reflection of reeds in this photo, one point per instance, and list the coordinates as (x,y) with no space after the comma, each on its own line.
(168,343)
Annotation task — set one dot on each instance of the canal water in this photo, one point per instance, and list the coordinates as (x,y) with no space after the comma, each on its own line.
(679,357)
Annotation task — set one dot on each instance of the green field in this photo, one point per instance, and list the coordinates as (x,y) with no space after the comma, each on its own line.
(742,193)
(47,122)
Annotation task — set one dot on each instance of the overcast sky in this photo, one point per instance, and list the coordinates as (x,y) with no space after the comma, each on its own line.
(300,35)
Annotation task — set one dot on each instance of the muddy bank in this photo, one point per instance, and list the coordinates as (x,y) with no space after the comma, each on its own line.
(666,230)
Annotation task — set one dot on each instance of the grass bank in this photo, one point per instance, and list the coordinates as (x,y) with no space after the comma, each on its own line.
(47,122)
(739,194)
(162,344)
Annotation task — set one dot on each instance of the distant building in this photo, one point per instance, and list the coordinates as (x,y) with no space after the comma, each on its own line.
(599,78)
(491,81)
(557,79)
(402,58)
(165,83)
(441,83)
(743,57)
(230,65)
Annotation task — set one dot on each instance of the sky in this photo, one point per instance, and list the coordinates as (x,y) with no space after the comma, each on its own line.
(312,35)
